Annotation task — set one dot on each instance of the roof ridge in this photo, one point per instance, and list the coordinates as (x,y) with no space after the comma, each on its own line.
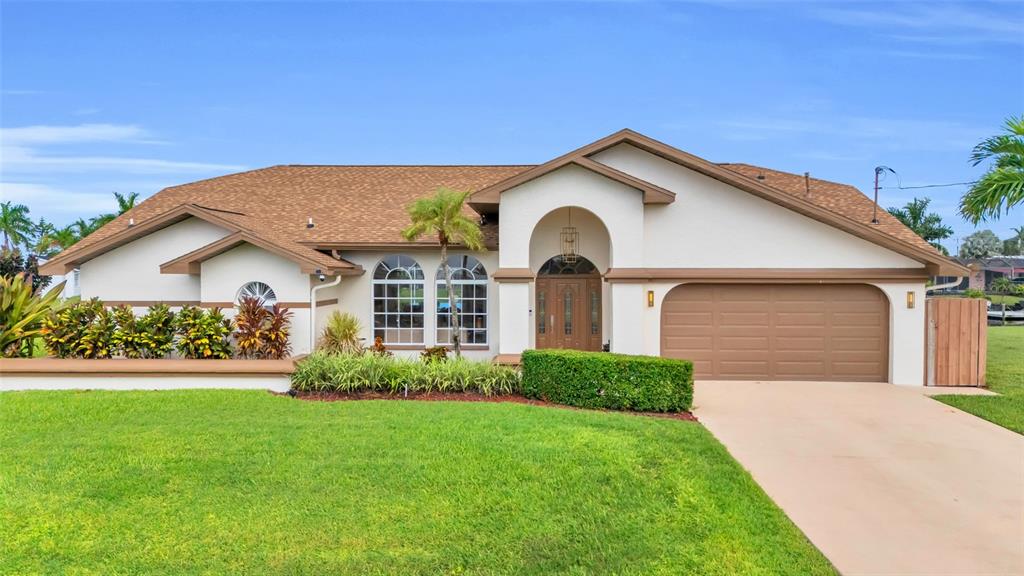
(405,165)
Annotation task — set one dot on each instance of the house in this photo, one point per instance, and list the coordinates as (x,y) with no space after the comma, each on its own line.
(625,243)
(983,271)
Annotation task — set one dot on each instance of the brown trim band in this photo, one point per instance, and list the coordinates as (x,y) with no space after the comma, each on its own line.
(513,275)
(328,302)
(770,275)
(143,367)
(148,303)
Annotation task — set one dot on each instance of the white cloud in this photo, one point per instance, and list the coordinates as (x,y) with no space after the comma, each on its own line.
(57,201)
(70,134)
(935,22)
(23,151)
(879,133)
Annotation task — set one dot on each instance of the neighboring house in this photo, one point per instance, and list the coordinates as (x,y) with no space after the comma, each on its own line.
(749,272)
(983,271)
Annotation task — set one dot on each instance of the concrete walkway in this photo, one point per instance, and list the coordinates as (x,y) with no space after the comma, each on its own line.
(881,478)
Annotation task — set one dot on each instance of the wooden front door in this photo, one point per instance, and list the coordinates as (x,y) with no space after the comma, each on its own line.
(567,312)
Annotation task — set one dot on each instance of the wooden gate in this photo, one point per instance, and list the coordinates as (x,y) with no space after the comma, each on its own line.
(957,340)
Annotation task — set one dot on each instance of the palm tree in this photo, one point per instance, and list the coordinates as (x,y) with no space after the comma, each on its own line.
(442,214)
(124,204)
(15,224)
(1002,187)
(928,226)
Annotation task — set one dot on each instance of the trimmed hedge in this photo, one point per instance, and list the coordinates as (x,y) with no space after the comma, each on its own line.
(608,381)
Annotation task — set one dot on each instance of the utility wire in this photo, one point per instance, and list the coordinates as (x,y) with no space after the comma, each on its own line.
(927,186)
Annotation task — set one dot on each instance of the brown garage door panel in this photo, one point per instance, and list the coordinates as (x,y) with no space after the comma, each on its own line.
(778,332)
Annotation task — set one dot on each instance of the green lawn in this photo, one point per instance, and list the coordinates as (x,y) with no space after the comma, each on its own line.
(215,482)
(1005,375)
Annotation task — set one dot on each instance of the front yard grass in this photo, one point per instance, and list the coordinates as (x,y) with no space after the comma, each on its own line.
(213,482)
(1004,374)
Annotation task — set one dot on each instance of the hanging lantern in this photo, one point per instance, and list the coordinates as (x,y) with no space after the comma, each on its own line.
(570,242)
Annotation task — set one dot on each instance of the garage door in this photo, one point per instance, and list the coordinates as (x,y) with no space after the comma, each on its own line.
(778,332)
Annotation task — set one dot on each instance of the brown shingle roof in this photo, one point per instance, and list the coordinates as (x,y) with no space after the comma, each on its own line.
(366,205)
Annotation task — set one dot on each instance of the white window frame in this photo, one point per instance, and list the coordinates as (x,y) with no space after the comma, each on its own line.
(439,287)
(268,302)
(410,264)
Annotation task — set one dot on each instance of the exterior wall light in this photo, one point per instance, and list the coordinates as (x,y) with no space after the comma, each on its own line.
(910,299)
(650,298)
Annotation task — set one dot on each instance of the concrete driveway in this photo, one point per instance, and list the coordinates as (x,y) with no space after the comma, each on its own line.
(881,478)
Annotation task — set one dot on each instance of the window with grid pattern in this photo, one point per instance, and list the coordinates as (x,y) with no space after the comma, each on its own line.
(469,286)
(398,310)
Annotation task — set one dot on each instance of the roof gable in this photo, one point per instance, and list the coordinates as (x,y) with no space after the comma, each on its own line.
(191,263)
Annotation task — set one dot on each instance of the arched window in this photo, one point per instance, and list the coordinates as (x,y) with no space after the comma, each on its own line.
(398,300)
(260,291)
(469,284)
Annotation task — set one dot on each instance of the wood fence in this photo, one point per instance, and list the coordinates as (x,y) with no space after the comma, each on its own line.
(957,330)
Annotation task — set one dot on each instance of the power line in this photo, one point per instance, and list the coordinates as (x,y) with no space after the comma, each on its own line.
(928,186)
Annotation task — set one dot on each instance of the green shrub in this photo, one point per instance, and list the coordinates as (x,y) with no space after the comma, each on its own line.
(203,333)
(610,381)
(973,293)
(348,373)
(64,330)
(97,339)
(341,334)
(156,330)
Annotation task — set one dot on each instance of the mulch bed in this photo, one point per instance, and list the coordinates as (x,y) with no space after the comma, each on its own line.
(465,397)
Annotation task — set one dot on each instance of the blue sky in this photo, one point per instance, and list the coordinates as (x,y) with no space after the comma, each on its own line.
(100,97)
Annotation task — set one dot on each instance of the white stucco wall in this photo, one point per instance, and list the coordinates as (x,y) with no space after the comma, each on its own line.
(132,272)
(354,296)
(222,276)
(713,225)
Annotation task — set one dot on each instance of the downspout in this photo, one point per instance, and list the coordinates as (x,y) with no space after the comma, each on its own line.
(312,309)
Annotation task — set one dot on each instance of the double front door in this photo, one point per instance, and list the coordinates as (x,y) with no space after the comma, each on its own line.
(567,312)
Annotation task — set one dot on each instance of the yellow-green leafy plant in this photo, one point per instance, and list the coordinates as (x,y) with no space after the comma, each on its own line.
(97,339)
(63,330)
(22,313)
(156,331)
(341,334)
(203,334)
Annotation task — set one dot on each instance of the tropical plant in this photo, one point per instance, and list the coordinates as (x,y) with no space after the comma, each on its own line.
(1002,186)
(347,373)
(202,333)
(262,333)
(156,329)
(276,345)
(1014,245)
(915,215)
(125,202)
(974,293)
(97,339)
(341,334)
(378,348)
(63,330)
(22,312)
(15,224)
(127,338)
(444,214)
(250,321)
(982,244)
(434,354)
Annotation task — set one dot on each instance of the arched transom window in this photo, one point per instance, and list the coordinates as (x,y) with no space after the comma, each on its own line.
(398,300)
(469,285)
(259,290)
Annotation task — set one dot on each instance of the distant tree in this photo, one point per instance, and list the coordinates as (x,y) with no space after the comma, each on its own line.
(1014,245)
(13,263)
(15,224)
(983,244)
(1002,186)
(926,225)
(441,214)
(1004,287)
(125,202)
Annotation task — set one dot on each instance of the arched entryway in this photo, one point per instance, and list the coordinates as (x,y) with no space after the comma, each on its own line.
(568,304)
